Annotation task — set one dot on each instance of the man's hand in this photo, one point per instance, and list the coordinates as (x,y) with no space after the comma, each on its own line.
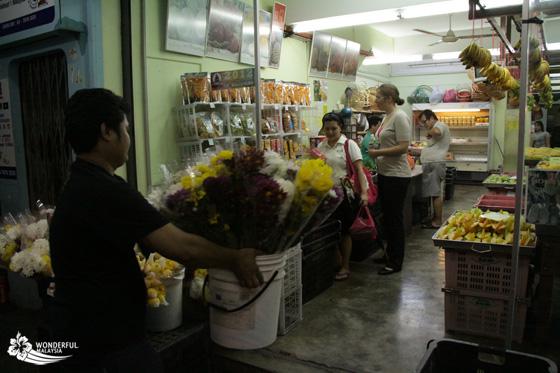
(246,269)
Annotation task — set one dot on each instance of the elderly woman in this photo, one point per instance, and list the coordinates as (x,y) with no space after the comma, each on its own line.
(393,172)
(333,148)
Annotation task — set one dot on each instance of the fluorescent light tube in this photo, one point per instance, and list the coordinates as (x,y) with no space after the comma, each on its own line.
(391,59)
(553,46)
(445,56)
(457,109)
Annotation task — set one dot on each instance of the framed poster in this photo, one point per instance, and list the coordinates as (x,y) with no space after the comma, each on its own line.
(225,21)
(320,50)
(7,153)
(277,34)
(336,58)
(186,26)
(247,40)
(351,61)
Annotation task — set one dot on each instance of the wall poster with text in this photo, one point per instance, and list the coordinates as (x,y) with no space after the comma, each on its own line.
(186,26)
(7,152)
(277,34)
(225,22)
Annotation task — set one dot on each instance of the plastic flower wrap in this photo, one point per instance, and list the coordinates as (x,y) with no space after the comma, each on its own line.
(197,284)
(157,270)
(24,243)
(252,198)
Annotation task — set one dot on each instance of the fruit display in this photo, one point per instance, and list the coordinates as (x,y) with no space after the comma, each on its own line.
(224,29)
(488,227)
(540,153)
(476,56)
(499,76)
(544,164)
(418,144)
(500,179)
(543,197)
(538,73)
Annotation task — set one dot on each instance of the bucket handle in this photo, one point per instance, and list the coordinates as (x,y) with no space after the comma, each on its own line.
(223,309)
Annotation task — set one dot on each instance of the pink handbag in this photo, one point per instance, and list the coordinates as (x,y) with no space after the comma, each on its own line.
(353,176)
(363,227)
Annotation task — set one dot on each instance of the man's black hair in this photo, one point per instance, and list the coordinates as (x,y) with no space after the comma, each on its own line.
(86,110)
(428,114)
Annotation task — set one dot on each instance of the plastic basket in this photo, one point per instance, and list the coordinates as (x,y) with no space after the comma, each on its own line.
(481,314)
(488,273)
(292,279)
(317,272)
(495,202)
(291,311)
(449,355)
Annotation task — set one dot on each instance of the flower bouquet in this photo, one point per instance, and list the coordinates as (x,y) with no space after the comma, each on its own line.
(157,270)
(252,198)
(24,244)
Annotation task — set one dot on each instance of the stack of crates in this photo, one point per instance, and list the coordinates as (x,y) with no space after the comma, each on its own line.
(317,248)
(450,177)
(291,301)
(477,288)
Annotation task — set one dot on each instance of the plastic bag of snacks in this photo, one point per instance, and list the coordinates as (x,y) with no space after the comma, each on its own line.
(195,87)
(217,123)
(204,125)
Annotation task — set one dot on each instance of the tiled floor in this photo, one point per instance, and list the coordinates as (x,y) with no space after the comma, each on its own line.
(369,323)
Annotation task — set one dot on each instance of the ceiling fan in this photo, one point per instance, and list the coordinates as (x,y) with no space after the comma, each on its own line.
(450,37)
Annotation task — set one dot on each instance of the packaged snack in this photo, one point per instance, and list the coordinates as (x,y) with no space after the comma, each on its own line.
(218,123)
(279,92)
(245,95)
(291,89)
(306,95)
(215,96)
(291,149)
(248,125)
(184,90)
(266,144)
(226,97)
(270,92)
(286,150)
(287,122)
(236,125)
(273,124)
(273,145)
(204,126)
(262,92)
(295,119)
(265,126)
(235,94)
(252,94)
(197,86)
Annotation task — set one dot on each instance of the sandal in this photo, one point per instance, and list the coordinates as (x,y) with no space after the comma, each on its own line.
(342,276)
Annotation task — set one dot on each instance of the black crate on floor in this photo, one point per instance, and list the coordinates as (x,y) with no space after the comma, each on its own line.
(449,355)
(321,231)
(317,271)
(420,210)
(362,250)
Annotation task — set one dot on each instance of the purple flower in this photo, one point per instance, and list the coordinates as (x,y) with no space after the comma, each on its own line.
(175,201)
(218,188)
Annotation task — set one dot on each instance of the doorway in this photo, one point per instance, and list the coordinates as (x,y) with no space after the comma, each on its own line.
(43,82)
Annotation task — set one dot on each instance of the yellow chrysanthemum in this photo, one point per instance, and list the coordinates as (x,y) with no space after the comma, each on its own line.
(224,154)
(6,227)
(9,251)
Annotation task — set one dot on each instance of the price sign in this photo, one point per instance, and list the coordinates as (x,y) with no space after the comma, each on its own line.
(554,162)
(233,79)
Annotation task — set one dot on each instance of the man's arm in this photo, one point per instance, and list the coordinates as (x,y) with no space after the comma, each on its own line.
(195,251)
(433,132)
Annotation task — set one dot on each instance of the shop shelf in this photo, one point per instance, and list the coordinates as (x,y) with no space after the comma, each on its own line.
(488,273)
(480,314)
(449,355)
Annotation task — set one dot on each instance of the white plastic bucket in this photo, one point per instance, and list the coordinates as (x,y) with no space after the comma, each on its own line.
(256,325)
(164,318)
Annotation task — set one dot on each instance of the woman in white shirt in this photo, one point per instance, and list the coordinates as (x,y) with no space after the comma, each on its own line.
(393,172)
(333,148)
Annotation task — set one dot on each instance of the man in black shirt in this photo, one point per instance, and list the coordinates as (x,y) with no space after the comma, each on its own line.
(100,297)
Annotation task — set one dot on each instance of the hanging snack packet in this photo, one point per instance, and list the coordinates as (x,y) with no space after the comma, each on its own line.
(235,94)
(295,119)
(306,95)
(198,87)
(225,95)
(245,95)
(270,92)
(217,123)
(279,92)
(265,127)
(262,92)
(252,94)
(215,96)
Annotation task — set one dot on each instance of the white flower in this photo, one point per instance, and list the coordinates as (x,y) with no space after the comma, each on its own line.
(274,164)
(37,230)
(288,188)
(14,232)
(172,190)
(28,263)
(155,198)
(195,290)
(41,246)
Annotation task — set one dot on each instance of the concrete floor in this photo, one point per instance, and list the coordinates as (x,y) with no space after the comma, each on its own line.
(373,323)
(369,323)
